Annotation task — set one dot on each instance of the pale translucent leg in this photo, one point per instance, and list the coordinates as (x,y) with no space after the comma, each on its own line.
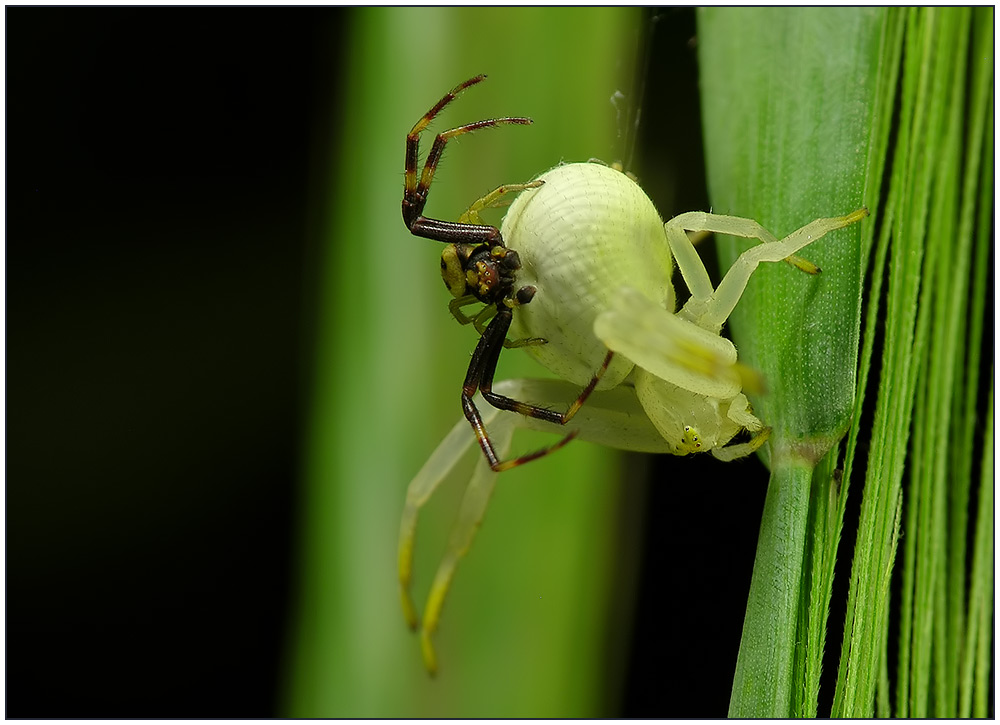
(437,467)
(470,516)
(668,346)
(711,308)
(484,315)
(739,413)
(479,319)
(690,263)
(492,200)
(742,450)
(612,417)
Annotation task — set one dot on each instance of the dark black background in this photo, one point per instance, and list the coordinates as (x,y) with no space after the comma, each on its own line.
(159,234)
(160,237)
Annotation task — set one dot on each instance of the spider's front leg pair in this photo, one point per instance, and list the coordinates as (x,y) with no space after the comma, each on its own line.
(480,377)
(477,266)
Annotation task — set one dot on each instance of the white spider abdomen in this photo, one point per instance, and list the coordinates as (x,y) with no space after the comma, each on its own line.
(582,236)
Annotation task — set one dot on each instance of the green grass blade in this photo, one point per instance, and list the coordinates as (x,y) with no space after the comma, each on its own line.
(930,315)
(889,75)
(878,527)
(824,527)
(974,665)
(977,190)
(788,99)
(916,185)
(983,573)
(960,308)
(945,132)
(891,54)
(828,540)
(885,97)
(883,700)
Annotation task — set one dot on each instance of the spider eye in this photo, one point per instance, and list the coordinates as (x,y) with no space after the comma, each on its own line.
(452,272)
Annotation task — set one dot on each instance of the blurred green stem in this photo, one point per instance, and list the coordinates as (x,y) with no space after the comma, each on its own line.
(762,685)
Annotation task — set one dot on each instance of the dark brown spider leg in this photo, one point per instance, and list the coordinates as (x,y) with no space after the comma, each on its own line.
(415,198)
(434,157)
(574,408)
(419,126)
(415,193)
(533,411)
(495,334)
(480,377)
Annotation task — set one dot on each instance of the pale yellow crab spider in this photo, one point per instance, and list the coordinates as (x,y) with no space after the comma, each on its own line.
(601,313)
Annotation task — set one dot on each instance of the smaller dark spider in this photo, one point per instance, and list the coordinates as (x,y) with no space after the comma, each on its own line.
(477,267)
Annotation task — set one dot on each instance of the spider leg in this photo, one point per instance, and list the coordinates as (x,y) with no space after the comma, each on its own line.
(413,138)
(480,377)
(415,190)
(470,516)
(739,413)
(575,406)
(793,259)
(492,200)
(485,315)
(448,453)
(612,417)
(670,347)
(532,411)
(457,303)
(480,319)
(711,308)
(524,342)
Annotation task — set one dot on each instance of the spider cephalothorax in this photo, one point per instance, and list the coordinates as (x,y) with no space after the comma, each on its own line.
(486,272)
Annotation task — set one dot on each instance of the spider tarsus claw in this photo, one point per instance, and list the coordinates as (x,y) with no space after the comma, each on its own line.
(430,659)
(409,611)
(803,265)
(856,215)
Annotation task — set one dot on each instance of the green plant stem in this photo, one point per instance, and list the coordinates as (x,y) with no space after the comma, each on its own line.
(789,137)
(763,681)
(825,522)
